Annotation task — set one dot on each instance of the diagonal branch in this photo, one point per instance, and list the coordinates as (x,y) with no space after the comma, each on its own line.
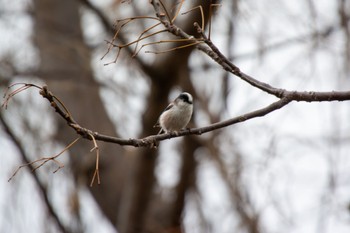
(213,52)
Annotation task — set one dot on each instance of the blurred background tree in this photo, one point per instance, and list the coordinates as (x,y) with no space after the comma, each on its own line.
(289,170)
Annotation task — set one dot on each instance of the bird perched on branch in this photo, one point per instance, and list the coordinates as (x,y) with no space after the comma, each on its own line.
(177,115)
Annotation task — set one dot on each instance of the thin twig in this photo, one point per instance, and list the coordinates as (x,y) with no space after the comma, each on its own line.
(201,11)
(8,95)
(44,160)
(166,11)
(177,11)
(210,17)
(172,49)
(123,23)
(96,173)
(144,32)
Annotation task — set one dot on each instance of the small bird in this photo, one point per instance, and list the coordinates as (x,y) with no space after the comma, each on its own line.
(177,115)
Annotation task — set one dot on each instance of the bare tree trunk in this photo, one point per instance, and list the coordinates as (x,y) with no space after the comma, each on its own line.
(65,67)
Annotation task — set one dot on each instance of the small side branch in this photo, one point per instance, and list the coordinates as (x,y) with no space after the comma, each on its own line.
(40,162)
(150,33)
(8,95)
(96,173)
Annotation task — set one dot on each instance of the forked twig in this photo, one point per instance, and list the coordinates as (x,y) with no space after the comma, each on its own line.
(62,110)
(123,23)
(116,58)
(177,11)
(144,32)
(44,160)
(8,95)
(201,11)
(97,172)
(172,49)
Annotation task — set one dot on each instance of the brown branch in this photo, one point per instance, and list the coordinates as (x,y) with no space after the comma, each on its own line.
(43,161)
(177,11)
(162,13)
(143,36)
(62,110)
(109,28)
(171,49)
(140,36)
(165,10)
(284,95)
(119,25)
(213,52)
(152,140)
(96,173)
(8,95)
(201,11)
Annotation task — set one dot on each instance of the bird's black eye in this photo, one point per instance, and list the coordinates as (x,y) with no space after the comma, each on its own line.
(186,98)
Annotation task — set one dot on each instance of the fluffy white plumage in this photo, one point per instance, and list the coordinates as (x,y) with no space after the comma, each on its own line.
(177,115)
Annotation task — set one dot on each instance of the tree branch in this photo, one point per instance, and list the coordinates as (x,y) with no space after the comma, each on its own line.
(285,96)
(213,52)
(152,141)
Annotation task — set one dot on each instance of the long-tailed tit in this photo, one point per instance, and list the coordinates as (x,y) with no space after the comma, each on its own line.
(177,115)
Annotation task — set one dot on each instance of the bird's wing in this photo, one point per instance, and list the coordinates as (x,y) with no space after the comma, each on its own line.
(171,105)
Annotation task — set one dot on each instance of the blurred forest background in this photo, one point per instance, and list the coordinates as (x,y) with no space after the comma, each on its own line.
(286,172)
